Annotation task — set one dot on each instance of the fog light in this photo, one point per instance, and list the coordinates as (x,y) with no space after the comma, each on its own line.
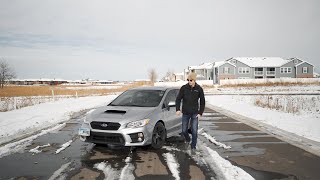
(140,135)
(137,137)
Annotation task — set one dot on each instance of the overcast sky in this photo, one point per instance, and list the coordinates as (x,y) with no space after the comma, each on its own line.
(124,39)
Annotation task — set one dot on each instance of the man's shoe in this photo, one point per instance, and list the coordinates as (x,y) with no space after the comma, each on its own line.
(193,151)
(186,145)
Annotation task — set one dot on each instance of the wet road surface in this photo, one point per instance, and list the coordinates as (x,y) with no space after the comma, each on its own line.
(260,154)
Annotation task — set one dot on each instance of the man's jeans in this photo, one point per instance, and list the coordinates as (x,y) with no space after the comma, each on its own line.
(194,128)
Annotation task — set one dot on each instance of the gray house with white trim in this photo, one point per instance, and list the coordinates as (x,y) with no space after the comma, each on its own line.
(261,68)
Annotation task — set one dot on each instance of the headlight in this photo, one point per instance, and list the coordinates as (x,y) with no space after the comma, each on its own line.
(137,124)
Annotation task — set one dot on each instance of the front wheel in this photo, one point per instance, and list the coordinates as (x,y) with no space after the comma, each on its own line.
(158,136)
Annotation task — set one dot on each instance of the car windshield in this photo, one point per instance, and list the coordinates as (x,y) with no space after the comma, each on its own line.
(139,98)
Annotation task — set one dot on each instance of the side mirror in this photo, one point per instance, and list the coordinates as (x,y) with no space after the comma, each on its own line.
(172,104)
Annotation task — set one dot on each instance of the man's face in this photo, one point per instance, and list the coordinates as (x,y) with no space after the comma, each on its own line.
(192,82)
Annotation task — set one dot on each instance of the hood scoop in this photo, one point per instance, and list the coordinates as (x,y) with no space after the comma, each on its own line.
(120,112)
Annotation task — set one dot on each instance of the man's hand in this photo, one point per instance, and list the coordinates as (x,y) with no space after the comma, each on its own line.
(178,113)
(199,115)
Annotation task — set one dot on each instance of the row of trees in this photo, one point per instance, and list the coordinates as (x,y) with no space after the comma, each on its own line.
(6,72)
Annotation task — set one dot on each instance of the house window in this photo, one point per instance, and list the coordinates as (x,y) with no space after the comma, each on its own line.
(285,70)
(244,70)
(226,70)
(305,70)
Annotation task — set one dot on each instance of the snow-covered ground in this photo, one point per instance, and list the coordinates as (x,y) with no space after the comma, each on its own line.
(303,89)
(11,103)
(28,120)
(305,123)
(18,123)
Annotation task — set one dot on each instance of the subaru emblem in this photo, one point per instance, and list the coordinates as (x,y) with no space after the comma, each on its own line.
(104,125)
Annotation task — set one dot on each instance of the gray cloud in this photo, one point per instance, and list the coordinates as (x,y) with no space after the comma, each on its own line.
(121,40)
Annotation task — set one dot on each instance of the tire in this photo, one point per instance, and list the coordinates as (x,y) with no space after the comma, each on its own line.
(158,136)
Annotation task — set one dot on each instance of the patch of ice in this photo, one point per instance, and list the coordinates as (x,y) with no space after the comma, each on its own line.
(19,146)
(214,141)
(127,171)
(173,165)
(58,173)
(169,148)
(36,149)
(223,169)
(108,171)
(64,146)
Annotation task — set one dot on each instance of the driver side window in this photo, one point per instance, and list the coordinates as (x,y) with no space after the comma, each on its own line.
(171,96)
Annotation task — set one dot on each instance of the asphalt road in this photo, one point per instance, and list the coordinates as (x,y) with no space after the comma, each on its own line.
(260,154)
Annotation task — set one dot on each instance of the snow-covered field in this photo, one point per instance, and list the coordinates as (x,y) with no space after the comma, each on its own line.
(306,89)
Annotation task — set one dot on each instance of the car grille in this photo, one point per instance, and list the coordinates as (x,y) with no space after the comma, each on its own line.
(109,125)
(106,138)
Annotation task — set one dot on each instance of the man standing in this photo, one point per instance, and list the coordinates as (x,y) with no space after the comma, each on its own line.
(190,94)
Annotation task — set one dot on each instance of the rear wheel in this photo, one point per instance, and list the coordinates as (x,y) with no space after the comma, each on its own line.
(158,136)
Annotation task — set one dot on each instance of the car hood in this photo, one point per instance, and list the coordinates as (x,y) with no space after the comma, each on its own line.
(121,114)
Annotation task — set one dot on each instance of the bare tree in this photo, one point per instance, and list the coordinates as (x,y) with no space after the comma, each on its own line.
(6,73)
(152,75)
(169,76)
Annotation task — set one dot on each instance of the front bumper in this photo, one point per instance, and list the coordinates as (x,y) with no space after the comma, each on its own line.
(122,136)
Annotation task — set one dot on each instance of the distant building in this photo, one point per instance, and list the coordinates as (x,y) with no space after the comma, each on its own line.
(252,68)
(41,81)
(179,76)
(261,67)
(45,81)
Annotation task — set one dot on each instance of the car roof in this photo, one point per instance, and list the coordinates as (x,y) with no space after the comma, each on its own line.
(162,88)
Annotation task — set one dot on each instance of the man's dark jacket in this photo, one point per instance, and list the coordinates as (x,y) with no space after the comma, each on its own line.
(190,97)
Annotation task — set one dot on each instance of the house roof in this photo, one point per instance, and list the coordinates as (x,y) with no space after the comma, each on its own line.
(303,63)
(263,61)
(220,63)
(202,66)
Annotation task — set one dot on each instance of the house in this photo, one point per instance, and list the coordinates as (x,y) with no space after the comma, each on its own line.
(223,70)
(261,68)
(203,71)
(179,76)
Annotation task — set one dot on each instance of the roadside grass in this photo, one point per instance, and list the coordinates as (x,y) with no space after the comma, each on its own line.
(45,90)
(208,86)
(16,97)
(289,104)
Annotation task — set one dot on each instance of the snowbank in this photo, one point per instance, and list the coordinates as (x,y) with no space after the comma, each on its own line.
(28,120)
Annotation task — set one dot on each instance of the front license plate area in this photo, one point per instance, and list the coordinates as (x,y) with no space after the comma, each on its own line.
(84,132)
